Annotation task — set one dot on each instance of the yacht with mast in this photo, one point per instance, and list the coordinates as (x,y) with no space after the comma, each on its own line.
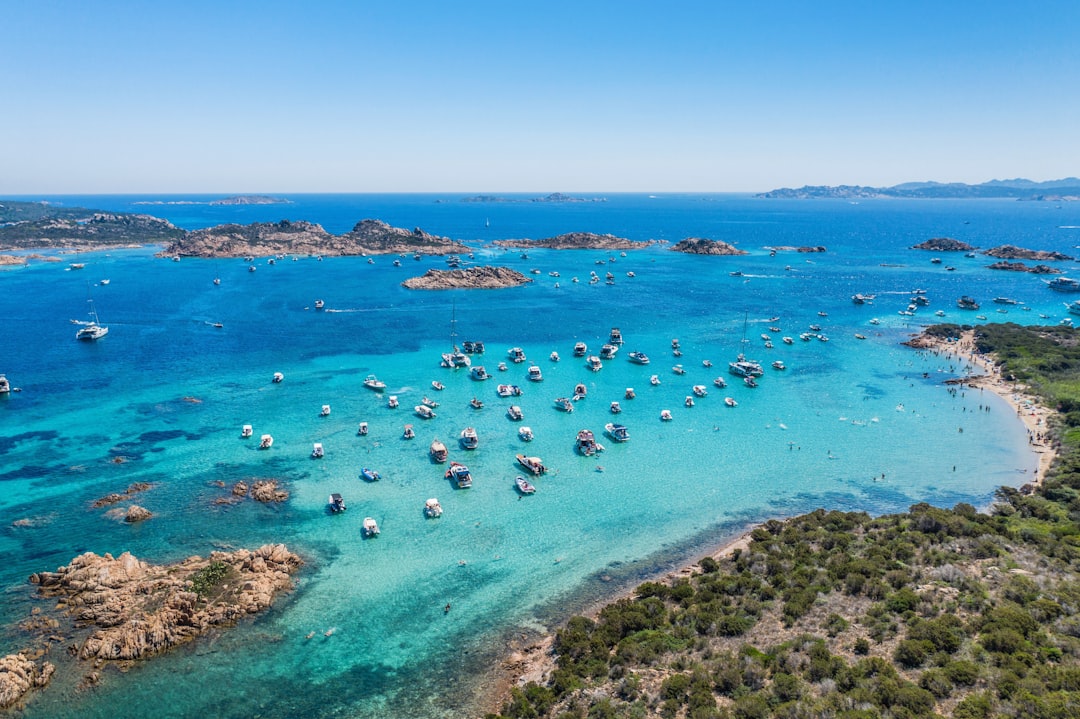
(455,357)
(743,367)
(92,330)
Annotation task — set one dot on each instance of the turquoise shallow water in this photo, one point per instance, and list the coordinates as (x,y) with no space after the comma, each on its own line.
(169,392)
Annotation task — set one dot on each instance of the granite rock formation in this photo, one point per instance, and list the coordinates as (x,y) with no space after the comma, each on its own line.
(703,246)
(471,278)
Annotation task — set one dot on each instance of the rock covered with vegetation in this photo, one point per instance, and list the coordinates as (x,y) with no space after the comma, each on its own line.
(928,613)
(703,246)
(1012,252)
(944,244)
(33,225)
(472,278)
(1021,267)
(578,241)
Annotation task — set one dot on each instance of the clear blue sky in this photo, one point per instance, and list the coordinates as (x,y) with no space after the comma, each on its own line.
(269,96)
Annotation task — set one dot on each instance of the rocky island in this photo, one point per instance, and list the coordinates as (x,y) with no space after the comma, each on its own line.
(472,278)
(1021,267)
(702,246)
(251,200)
(1012,252)
(578,241)
(553,197)
(944,244)
(367,237)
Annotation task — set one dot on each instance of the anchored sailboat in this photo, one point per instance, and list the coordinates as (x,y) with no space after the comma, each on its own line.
(92,330)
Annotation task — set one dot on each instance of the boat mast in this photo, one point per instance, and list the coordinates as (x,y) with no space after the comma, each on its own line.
(453,327)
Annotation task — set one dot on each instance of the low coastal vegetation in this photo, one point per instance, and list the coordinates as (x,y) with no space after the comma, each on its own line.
(932,612)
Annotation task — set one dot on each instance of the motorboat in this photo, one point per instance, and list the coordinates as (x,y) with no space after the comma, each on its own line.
(534,374)
(246,431)
(371,527)
(805,337)
(699,390)
(475,403)
(615,408)
(617,432)
(428,402)
(532,464)
(706,363)
(501,367)
(554,356)
(678,369)
(779,364)
(665,415)
(278,378)
(319,304)
(336,503)
(750,382)
(469,438)
(629,394)
(517,355)
(875,321)
(437,385)
(940,313)
(580,350)
(370,474)
(432,508)
(1074,307)
(392,401)
(615,336)
(862,337)
(514,412)
(730,402)
(317,450)
(479,373)
(564,404)
(252,268)
(967,303)
(525,434)
(266,442)
(363,430)
(424,412)
(764,337)
(654,380)
(689,401)
(639,357)
(788,340)
(472,347)
(1064,284)
(77,265)
(822,313)
(437,451)
(861,299)
(608,351)
(373,382)
(409,432)
(586,443)
(720,382)
(523,485)
(675,344)
(460,475)
(580,391)
(815,328)
(325,411)
(593,363)
(508,390)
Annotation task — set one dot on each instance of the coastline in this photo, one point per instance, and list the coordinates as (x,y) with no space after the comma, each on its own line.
(534,661)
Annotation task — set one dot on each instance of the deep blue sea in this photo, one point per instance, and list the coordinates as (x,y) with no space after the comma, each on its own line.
(850,424)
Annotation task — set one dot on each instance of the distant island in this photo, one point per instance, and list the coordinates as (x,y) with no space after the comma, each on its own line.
(1020,189)
(251,200)
(473,278)
(578,241)
(553,197)
(703,246)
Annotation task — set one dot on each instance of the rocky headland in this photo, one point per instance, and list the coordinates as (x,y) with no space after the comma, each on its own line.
(1012,252)
(367,237)
(578,241)
(92,230)
(19,673)
(703,246)
(943,244)
(472,278)
(1021,267)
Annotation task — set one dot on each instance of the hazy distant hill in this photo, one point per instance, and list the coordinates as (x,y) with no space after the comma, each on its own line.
(1065,189)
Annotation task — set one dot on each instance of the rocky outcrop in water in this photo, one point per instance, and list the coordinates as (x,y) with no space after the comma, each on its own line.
(251,200)
(944,244)
(18,675)
(134,609)
(703,246)
(367,237)
(115,497)
(804,248)
(578,241)
(1021,267)
(1012,252)
(485,278)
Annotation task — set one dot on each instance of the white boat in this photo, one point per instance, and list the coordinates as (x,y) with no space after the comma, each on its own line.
(534,374)
(409,432)
(371,527)
(967,303)
(325,411)
(639,357)
(392,401)
(580,391)
(689,401)
(875,321)
(749,381)
(319,304)
(706,363)
(1064,284)
(699,390)
(517,355)
(514,412)
(460,475)
(479,373)
(788,340)
(501,367)
(580,350)
(508,390)
(217,280)
(720,382)
(525,434)
(730,402)
(743,367)
(246,431)
(266,442)
(437,451)
(336,503)
(317,450)
(424,412)
(1074,307)
(564,404)
(654,380)
(554,356)
(469,438)
(428,402)
(432,508)
(593,363)
(373,382)
(523,485)
(608,351)
(363,429)
(615,336)
(615,408)
(665,415)
(617,432)
(77,265)
(278,378)
(437,385)
(779,364)
(629,394)
(678,369)
(586,443)
(92,330)
(475,403)
(532,464)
